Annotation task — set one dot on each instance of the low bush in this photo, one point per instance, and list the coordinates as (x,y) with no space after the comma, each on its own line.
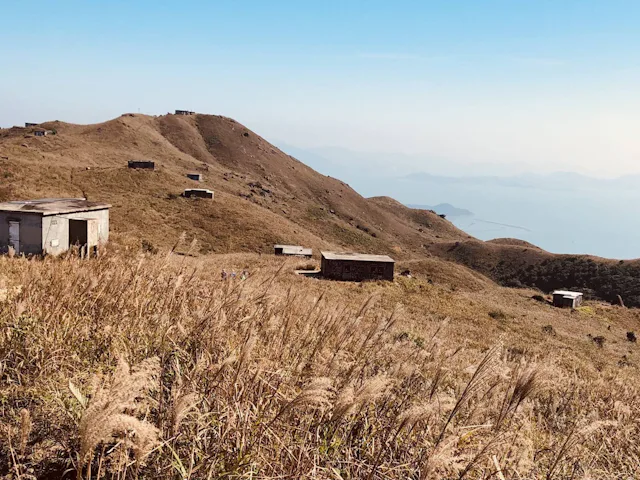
(498,315)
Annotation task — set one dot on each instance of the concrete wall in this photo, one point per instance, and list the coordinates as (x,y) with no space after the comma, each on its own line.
(55,229)
(30,232)
(562,302)
(356,270)
(141,164)
(189,193)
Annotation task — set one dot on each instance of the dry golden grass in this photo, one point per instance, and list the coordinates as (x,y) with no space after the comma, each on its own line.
(262,195)
(150,366)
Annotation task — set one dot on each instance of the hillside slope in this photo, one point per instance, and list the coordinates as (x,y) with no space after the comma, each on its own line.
(517,264)
(281,376)
(263,196)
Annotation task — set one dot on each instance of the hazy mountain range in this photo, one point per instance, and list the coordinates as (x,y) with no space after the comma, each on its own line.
(563,212)
(546,181)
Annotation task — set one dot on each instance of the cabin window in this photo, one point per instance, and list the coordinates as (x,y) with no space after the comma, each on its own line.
(347,269)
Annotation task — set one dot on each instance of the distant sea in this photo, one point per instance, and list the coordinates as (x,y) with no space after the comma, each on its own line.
(563,212)
(601,220)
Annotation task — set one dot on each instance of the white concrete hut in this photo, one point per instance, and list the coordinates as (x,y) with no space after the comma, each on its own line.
(567,299)
(292,250)
(53,225)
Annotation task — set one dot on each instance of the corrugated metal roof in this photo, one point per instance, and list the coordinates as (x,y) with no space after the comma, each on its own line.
(52,206)
(357,257)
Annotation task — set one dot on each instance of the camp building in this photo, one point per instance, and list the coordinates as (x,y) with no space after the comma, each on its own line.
(566,299)
(145,164)
(52,225)
(292,250)
(356,266)
(197,193)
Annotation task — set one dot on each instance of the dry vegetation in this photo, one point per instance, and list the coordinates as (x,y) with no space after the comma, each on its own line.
(152,367)
(515,263)
(264,197)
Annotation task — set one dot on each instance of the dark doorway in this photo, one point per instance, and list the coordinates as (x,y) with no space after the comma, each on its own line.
(78,234)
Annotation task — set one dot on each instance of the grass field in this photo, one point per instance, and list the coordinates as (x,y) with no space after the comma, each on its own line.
(132,366)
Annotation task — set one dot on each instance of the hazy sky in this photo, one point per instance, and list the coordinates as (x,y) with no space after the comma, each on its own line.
(553,84)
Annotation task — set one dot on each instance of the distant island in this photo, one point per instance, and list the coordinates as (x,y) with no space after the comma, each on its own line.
(444,209)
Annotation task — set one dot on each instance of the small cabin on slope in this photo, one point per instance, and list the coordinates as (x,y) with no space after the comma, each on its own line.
(185,112)
(197,193)
(292,250)
(53,225)
(567,299)
(356,266)
(144,164)
(195,176)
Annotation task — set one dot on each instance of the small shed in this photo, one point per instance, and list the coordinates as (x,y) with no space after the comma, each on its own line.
(195,176)
(293,250)
(142,164)
(198,193)
(53,225)
(567,299)
(40,133)
(356,266)
(185,112)
(30,124)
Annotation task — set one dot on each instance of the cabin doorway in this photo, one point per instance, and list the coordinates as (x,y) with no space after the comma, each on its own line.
(83,235)
(14,236)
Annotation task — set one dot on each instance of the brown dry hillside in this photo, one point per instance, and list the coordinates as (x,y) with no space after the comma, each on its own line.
(282,376)
(263,196)
(516,265)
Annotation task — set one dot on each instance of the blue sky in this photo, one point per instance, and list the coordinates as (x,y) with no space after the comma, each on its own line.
(545,85)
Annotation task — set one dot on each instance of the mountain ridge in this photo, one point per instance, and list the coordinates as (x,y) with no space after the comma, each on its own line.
(263,197)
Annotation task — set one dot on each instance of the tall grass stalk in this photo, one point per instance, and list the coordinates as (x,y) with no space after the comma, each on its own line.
(151,366)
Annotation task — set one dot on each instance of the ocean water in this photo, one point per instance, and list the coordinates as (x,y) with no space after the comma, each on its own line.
(601,221)
(559,212)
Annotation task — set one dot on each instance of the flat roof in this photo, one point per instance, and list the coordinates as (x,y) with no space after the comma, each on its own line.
(357,257)
(288,246)
(198,190)
(296,251)
(567,293)
(52,206)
